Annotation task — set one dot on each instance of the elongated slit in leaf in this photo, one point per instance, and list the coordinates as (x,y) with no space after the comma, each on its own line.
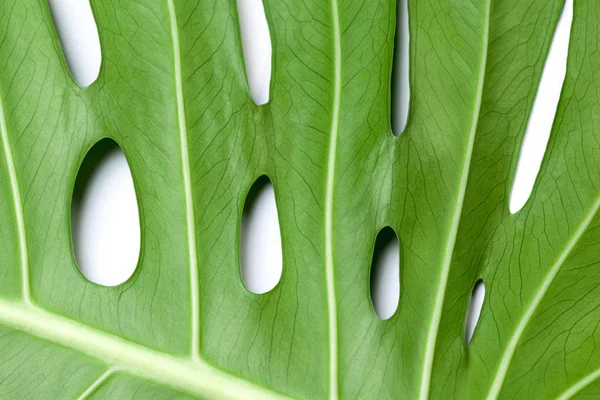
(78,35)
(474,310)
(260,239)
(543,112)
(385,274)
(257,49)
(401,70)
(105,225)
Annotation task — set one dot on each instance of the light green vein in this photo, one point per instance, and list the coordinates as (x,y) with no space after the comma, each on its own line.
(97,383)
(187,182)
(537,299)
(579,385)
(453,231)
(329,266)
(17,205)
(191,376)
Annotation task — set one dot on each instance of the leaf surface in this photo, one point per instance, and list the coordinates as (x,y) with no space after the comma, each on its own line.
(172,92)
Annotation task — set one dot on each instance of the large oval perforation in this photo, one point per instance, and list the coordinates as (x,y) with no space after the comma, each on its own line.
(260,239)
(105,224)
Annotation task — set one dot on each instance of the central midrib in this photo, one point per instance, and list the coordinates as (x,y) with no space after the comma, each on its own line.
(453,231)
(331,162)
(191,376)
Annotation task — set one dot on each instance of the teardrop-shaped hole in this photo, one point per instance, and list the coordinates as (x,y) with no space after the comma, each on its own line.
(260,239)
(543,112)
(474,310)
(400,70)
(385,274)
(78,35)
(257,49)
(105,222)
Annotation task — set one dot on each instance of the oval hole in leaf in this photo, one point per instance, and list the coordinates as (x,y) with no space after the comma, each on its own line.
(257,49)
(105,224)
(78,35)
(543,112)
(385,274)
(474,310)
(260,239)
(400,70)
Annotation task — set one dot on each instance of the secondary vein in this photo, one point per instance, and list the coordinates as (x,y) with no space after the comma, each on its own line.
(17,205)
(581,384)
(329,266)
(187,183)
(537,299)
(97,383)
(450,244)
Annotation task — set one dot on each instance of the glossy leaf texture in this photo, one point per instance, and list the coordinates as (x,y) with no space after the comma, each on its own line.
(173,93)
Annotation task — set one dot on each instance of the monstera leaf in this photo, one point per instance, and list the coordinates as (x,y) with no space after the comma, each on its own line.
(172,92)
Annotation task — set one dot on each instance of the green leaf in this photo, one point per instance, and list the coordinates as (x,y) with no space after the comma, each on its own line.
(172,92)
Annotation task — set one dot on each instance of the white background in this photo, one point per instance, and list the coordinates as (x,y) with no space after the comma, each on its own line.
(105,217)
